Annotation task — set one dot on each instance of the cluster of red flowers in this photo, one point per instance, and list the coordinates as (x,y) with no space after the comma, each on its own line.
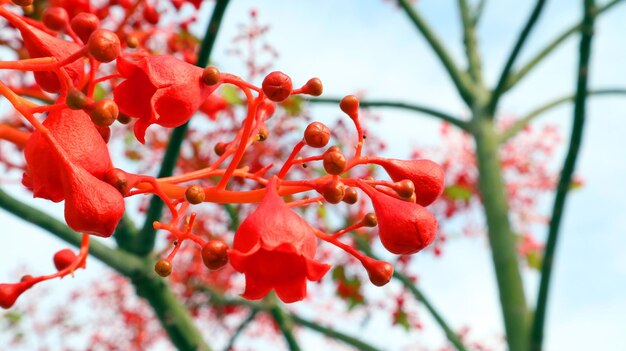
(67,157)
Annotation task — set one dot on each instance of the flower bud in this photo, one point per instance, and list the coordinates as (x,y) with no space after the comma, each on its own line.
(316,135)
(350,197)
(119,179)
(334,161)
(379,272)
(132,41)
(84,24)
(163,267)
(10,292)
(211,75)
(194,194)
(123,118)
(370,220)
(104,45)
(215,254)
(313,87)
(277,86)
(350,106)
(263,134)
(220,148)
(55,18)
(76,99)
(103,112)
(64,258)
(150,14)
(333,191)
(404,188)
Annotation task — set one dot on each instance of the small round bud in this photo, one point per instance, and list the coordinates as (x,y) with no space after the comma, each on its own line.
(103,112)
(215,254)
(220,148)
(84,24)
(350,106)
(263,134)
(277,86)
(334,161)
(23,3)
(118,179)
(104,45)
(404,188)
(123,118)
(334,191)
(63,259)
(370,220)
(76,99)
(350,197)
(163,267)
(211,75)
(379,272)
(313,87)
(55,18)
(316,134)
(151,15)
(132,41)
(194,194)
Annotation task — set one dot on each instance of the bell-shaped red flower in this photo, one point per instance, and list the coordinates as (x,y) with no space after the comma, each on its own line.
(38,43)
(275,249)
(159,89)
(72,170)
(426,175)
(404,227)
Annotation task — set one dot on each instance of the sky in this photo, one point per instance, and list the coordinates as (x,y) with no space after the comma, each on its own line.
(370,46)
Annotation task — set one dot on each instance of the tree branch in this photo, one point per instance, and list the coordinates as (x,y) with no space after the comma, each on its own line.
(470,42)
(522,72)
(145,241)
(521,40)
(285,324)
(402,105)
(459,78)
(566,174)
(521,123)
(240,329)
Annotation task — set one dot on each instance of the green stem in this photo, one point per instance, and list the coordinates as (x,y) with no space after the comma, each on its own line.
(402,105)
(145,241)
(521,40)
(460,79)
(520,124)
(331,333)
(285,324)
(501,238)
(419,296)
(470,42)
(478,11)
(122,262)
(566,174)
(522,72)
(240,329)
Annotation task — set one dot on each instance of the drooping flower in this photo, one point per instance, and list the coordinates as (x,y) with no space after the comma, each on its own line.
(426,175)
(72,169)
(38,43)
(159,89)
(404,227)
(275,249)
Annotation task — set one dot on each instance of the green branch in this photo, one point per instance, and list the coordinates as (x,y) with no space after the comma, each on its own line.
(566,174)
(285,324)
(521,40)
(459,78)
(522,72)
(470,42)
(521,123)
(401,105)
(240,329)
(120,261)
(478,11)
(147,235)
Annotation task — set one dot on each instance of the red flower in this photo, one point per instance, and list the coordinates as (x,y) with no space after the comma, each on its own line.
(426,175)
(274,248)
(404,227)
(159,89)
(72,170)
(41,44)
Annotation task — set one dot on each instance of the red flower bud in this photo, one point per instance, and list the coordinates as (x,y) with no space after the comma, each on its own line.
(215,254)
(426,175)
(350,106)
(334,161)
(103,112)
(211,75)
(379,272)
(163,267)
(404,227)
(63,259)
(104,45)
(275,249)
(194,194)
(333,191)
(277,86)
(84,24)
(55,18)
(313,87)
(316,135)
(10,292)
(159,89)
(150,14)
(350,197)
